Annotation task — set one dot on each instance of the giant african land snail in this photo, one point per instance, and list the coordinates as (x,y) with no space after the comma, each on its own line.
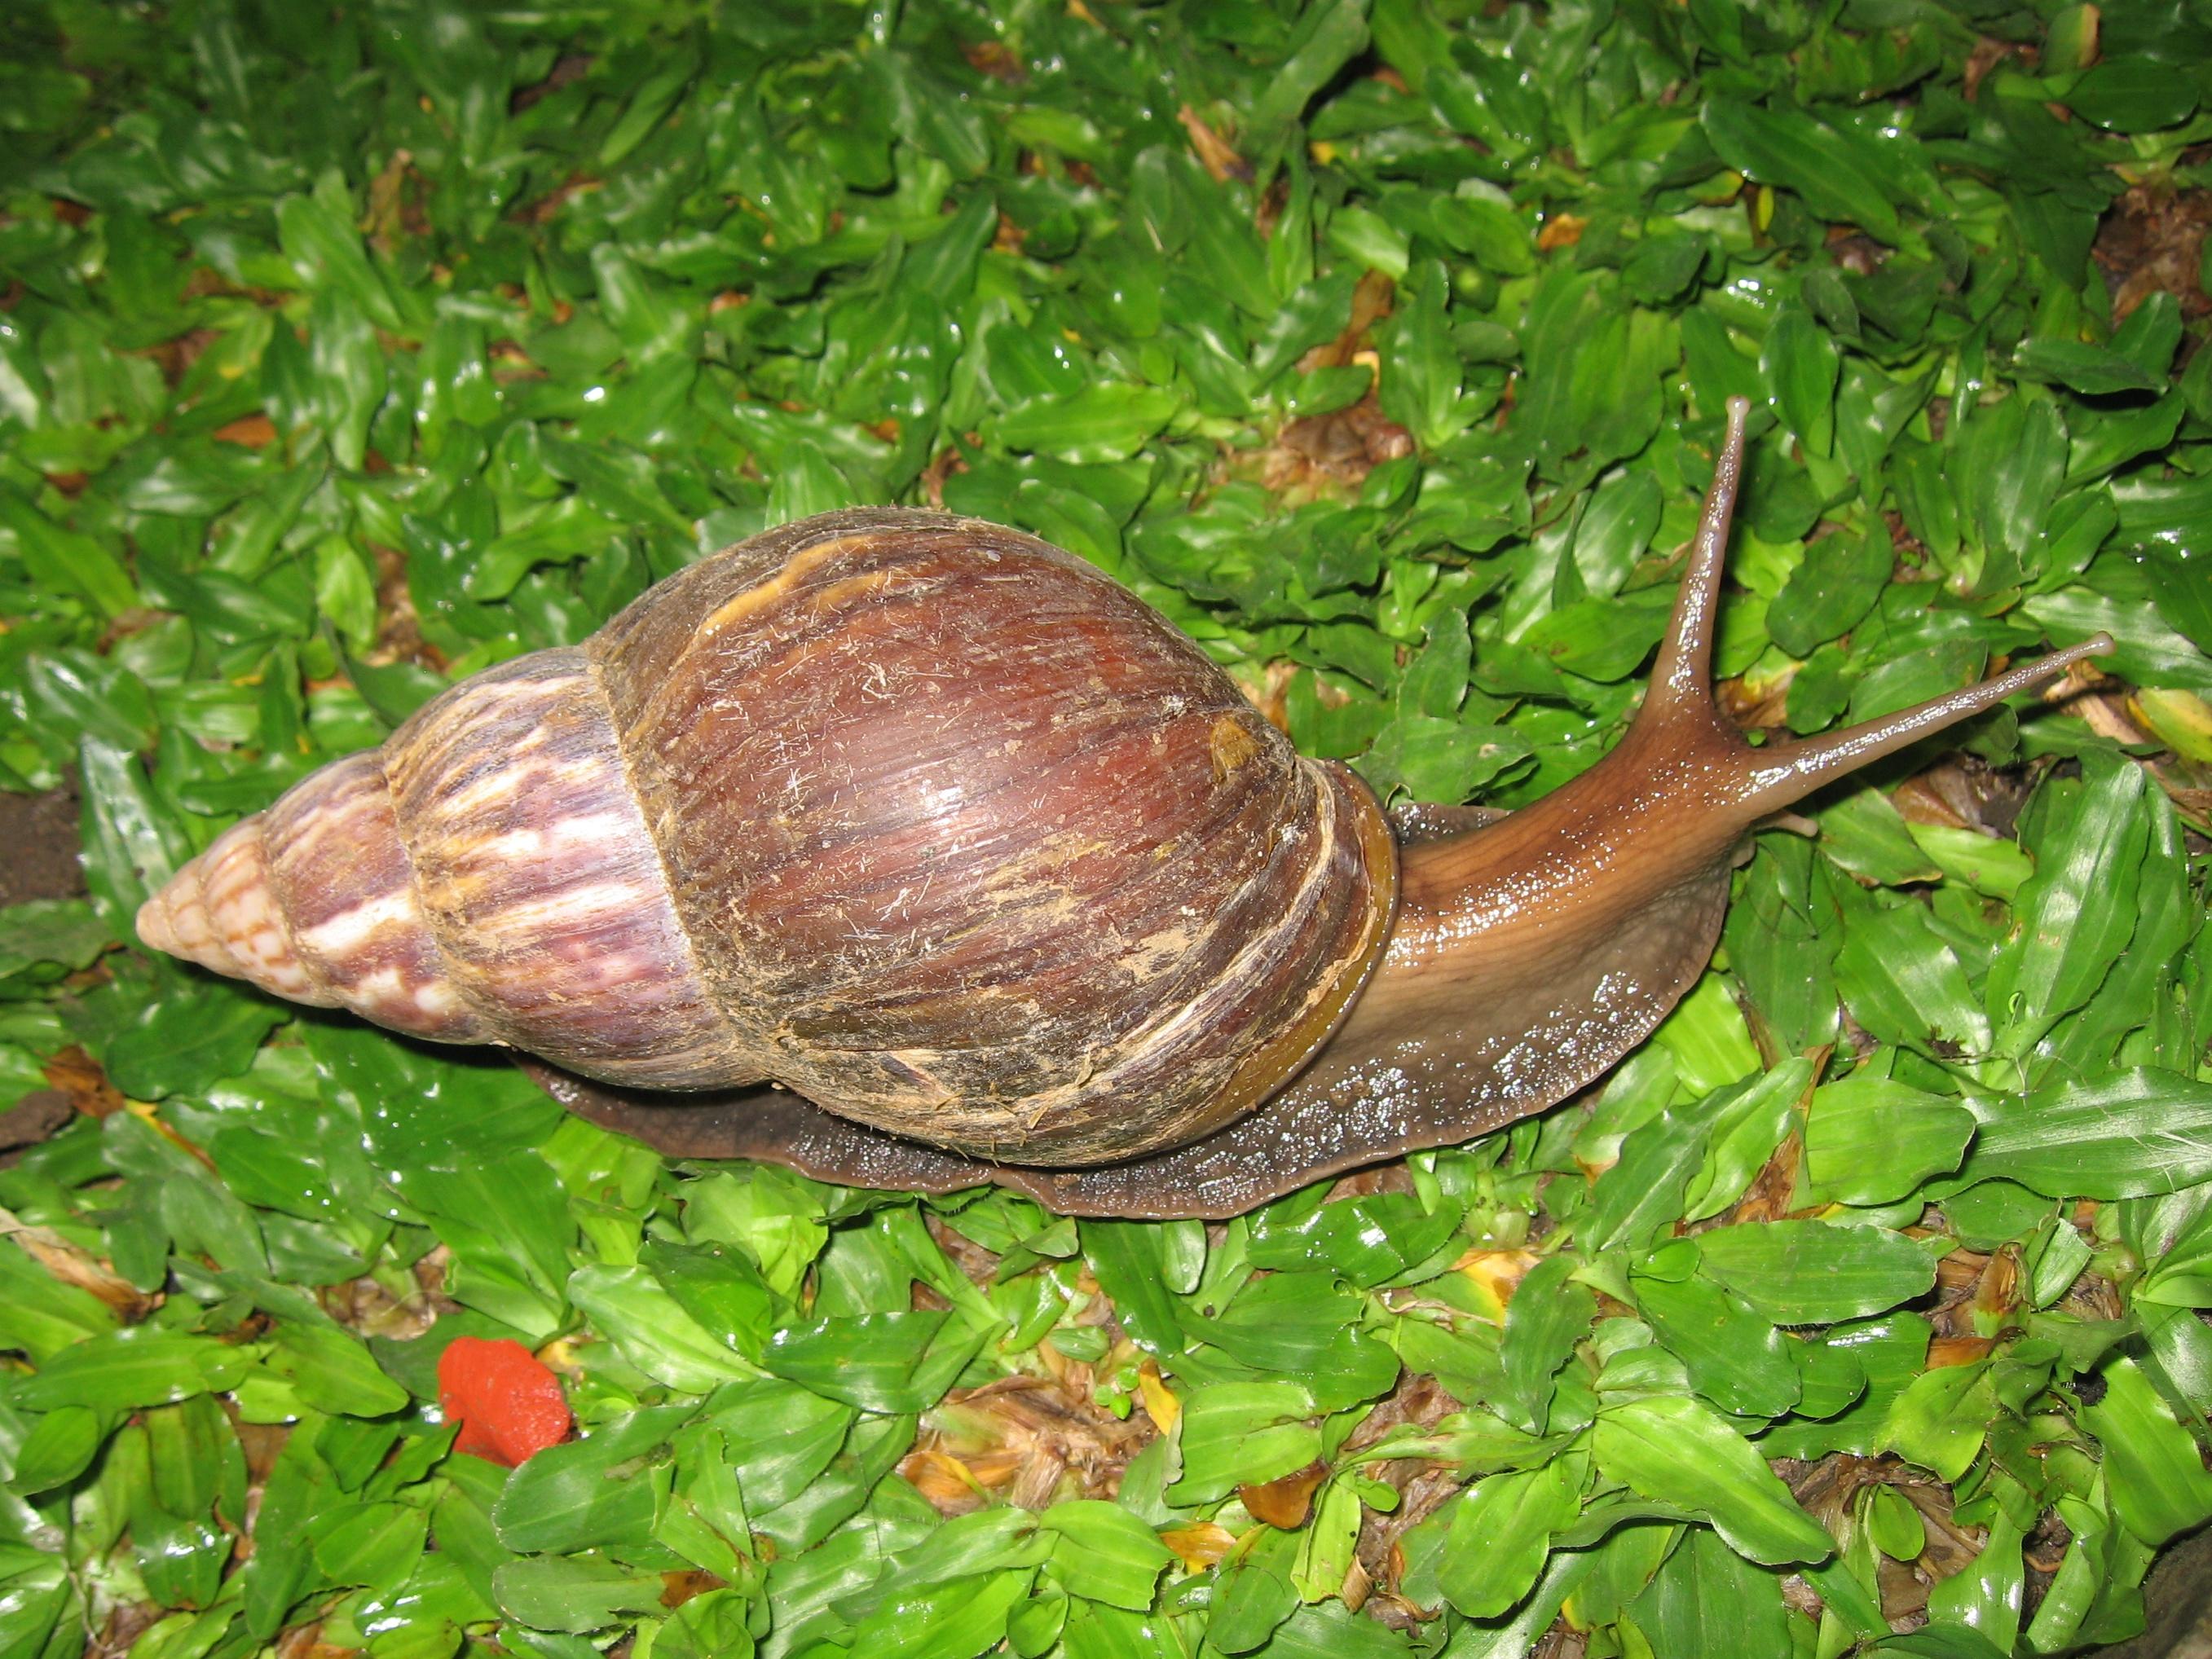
(956,863)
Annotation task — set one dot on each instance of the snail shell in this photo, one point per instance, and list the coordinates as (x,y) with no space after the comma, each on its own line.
(922,818)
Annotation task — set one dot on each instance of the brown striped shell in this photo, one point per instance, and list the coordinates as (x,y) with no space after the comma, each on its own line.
(921,817)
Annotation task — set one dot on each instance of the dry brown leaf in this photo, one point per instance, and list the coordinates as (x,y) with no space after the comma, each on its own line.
(79,1077)
(72,1264)
(1215,153)
(1946,1350)
(254,431)
(1287,1501)
(1042,1439)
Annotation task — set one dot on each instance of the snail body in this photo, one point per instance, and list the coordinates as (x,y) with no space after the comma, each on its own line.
(919,853)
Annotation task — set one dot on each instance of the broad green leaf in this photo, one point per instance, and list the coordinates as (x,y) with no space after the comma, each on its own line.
(1941,1417)
(1101,422)
(1985,1595)
(1748,1121)
(1644,1191)
(1735,1357)
(1800,363)
(879,1362)
(574,1593)
(1791,149)
(1103,1553)
(2153,1477)
(1708,1602)
(1902,981)
(587,1494)
(2092,369)
(332,1372)
(1254,1595)
(1830,592)
(1679,1451)
(1550,1312)
(1872,1140)
(1244,1434)
(2133,94)
(2135,1133)
(2076,912)
(1501,1531)
(1815,1272)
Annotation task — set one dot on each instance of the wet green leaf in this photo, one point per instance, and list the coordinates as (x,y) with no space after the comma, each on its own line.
(1873,1140)
(2139,1131)
(1501,1531)
(1787,147)
(1815,1273)
(1682,1451)
(1707,1600)
(1103,1553)
(2156,1482)
(2076,911)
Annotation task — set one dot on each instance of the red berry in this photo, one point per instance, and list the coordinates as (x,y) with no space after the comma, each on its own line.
(508,1405)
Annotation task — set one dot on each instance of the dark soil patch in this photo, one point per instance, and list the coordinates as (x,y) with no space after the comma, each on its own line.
(38,860)
(2153,239)
(39,846)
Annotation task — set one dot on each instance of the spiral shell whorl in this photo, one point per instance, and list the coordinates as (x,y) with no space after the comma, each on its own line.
(988,852)
(921,817)
(314,901)
(541,883)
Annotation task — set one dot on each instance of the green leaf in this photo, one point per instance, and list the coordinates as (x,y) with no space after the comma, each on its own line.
(2153,1477)
(1815,1272)
(332,1372)
(1103,1553)
(1254,1595)
(1871,1140)
(591,1492)
(1736,1357)
(1244,1434)
(1747,1122)
(1800,363)
(1421,376)
(1329,37)
(1501,1532)
(181,1046)
(1550,1312)
(1830,592)
(372,1544)
(1708,1602)
(1679,1451)
(64,561)
(2077,911)
(1905,983)
(1788,148)
(574,1593)
(1984,1596)
(1644,1191)
(125,1369)
(2133,94)
(2092,370)
(956,1621)
(2134,1133)
(1941,1417)
(879,1362)
(59,1446)
(720,1287)
(1107,422)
